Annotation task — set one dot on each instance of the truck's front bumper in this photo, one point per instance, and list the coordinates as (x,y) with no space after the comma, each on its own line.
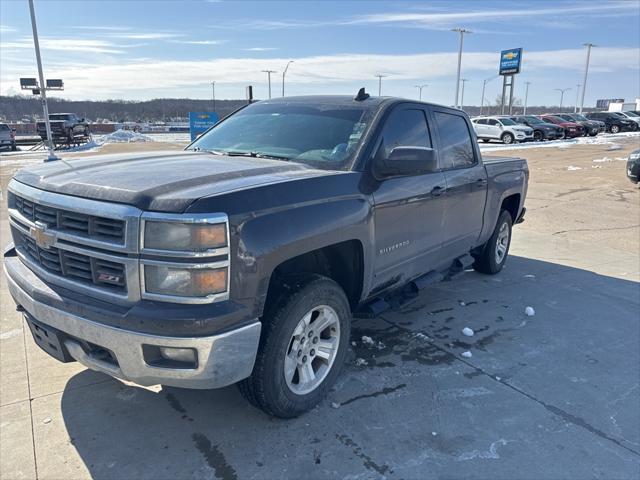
(221,359)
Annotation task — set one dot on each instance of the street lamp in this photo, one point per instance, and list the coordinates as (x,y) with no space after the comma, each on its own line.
(380,77)
(420,87)
(461,31)
(526,97)
(213,93)
(484,84)
(43,87)
(284,72)
(269,72)
(561,90)
(575,107)
(586,71)
(464,80)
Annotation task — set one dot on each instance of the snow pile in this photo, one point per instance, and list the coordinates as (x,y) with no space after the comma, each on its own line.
(467,332)
(123,136)
(529,311)
(361,362)
(571,168)
(607,159)
(466,354)
(367,340)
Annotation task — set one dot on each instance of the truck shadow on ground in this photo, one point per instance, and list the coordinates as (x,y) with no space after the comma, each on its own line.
(404,373)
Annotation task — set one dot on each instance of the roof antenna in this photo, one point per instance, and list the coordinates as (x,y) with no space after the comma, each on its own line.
(362,95)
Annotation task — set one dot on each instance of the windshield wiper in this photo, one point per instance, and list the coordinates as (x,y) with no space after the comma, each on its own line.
(232,153)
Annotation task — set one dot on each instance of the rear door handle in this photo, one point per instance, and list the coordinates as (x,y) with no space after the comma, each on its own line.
(437,191)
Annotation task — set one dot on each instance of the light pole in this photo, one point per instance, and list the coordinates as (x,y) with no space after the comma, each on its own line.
(213,93)
(380,77)
(561,90)
(575,107)
(43,86)
(463,80)
(461,31)
(420,87)
(586,71)
(284,72)
(526,97)
(484,84)
(269,72)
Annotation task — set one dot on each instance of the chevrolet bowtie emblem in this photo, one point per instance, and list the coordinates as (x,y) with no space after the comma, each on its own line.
(43,238)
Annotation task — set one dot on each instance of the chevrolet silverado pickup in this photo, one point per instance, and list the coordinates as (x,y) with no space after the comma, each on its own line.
(64,127)
(243,258)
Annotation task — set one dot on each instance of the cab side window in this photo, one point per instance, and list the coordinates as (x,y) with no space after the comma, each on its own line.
(456,149)
(404,128)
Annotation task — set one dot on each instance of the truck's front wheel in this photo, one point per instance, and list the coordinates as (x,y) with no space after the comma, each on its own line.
(493,254)
(305,336)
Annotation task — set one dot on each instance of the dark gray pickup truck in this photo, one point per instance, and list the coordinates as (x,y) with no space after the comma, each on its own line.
(243,258)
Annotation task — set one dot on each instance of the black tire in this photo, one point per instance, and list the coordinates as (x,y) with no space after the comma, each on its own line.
(614,129)
(267,387)
(14,147)
(485,140)
(507,138)
(486,259)
(538,136)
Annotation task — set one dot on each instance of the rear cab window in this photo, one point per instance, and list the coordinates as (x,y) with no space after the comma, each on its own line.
(456,147)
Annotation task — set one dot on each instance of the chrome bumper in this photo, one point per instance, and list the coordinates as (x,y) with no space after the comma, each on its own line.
(221,359)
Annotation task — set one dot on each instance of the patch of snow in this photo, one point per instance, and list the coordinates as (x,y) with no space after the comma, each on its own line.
(47,420)
(467,332)
(361,362)
(11,333)
(529,311)
(434,433)
(335,405)
(467,354)
(123,136)
(491,454)
(353,344)
(462,304)
(367,340)
(571,168)
(529,276)
(615,146)
(422,336)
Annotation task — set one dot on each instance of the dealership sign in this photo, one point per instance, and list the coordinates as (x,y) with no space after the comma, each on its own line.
(510,61)
(604,102)
(200,122)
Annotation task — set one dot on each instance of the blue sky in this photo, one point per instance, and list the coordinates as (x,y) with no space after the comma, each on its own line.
(149,49)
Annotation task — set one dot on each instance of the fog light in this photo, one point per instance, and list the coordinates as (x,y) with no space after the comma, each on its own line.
(186,355)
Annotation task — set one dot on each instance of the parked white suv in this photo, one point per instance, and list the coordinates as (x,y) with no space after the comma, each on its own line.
(501,128)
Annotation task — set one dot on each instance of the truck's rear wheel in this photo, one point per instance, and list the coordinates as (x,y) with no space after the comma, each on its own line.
(493,254)
(305,336)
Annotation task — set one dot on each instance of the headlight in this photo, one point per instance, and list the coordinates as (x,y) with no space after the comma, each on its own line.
(184,280)
(181,235)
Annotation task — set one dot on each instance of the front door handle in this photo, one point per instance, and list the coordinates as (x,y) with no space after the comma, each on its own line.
(437,191)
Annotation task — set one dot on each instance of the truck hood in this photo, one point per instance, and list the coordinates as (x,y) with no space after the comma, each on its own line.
(160,181)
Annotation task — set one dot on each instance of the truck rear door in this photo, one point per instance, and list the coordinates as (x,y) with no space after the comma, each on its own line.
(466,180)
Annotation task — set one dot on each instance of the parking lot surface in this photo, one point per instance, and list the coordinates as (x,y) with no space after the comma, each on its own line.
(549,396)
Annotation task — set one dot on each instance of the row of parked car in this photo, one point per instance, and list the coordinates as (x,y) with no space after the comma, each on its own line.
(526,128)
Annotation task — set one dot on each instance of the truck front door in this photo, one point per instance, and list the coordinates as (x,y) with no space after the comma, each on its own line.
(408,211)
(466,180)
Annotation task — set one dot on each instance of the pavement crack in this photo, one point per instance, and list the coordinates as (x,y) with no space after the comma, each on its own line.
(367,461)
(33,436)
(568,417)
(596,229)
(384,391)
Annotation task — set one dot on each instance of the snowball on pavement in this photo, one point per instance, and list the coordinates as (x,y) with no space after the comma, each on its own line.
(360,362)
(367,340)
(467,354)
(467,332)
(529,311)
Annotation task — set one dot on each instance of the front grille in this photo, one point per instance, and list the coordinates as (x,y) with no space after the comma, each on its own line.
(90,226)
(74,266)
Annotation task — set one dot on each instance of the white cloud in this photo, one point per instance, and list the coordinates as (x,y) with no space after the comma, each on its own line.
(259,49)
(65,44)
(144,78)
(146,36)
(7,29)
(200,42)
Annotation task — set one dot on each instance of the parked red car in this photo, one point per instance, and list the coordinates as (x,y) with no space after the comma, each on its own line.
(571,129)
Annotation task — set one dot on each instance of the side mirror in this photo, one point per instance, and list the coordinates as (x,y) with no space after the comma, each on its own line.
(403,161)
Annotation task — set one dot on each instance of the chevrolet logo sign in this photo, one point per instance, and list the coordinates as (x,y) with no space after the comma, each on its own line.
(43,238)
(510,55)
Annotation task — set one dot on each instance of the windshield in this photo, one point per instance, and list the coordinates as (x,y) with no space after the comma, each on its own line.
(617,114)
(582,118)
(568,118)
(507,121)
(533,120)
(319,134)
(631,114)
(58,117)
